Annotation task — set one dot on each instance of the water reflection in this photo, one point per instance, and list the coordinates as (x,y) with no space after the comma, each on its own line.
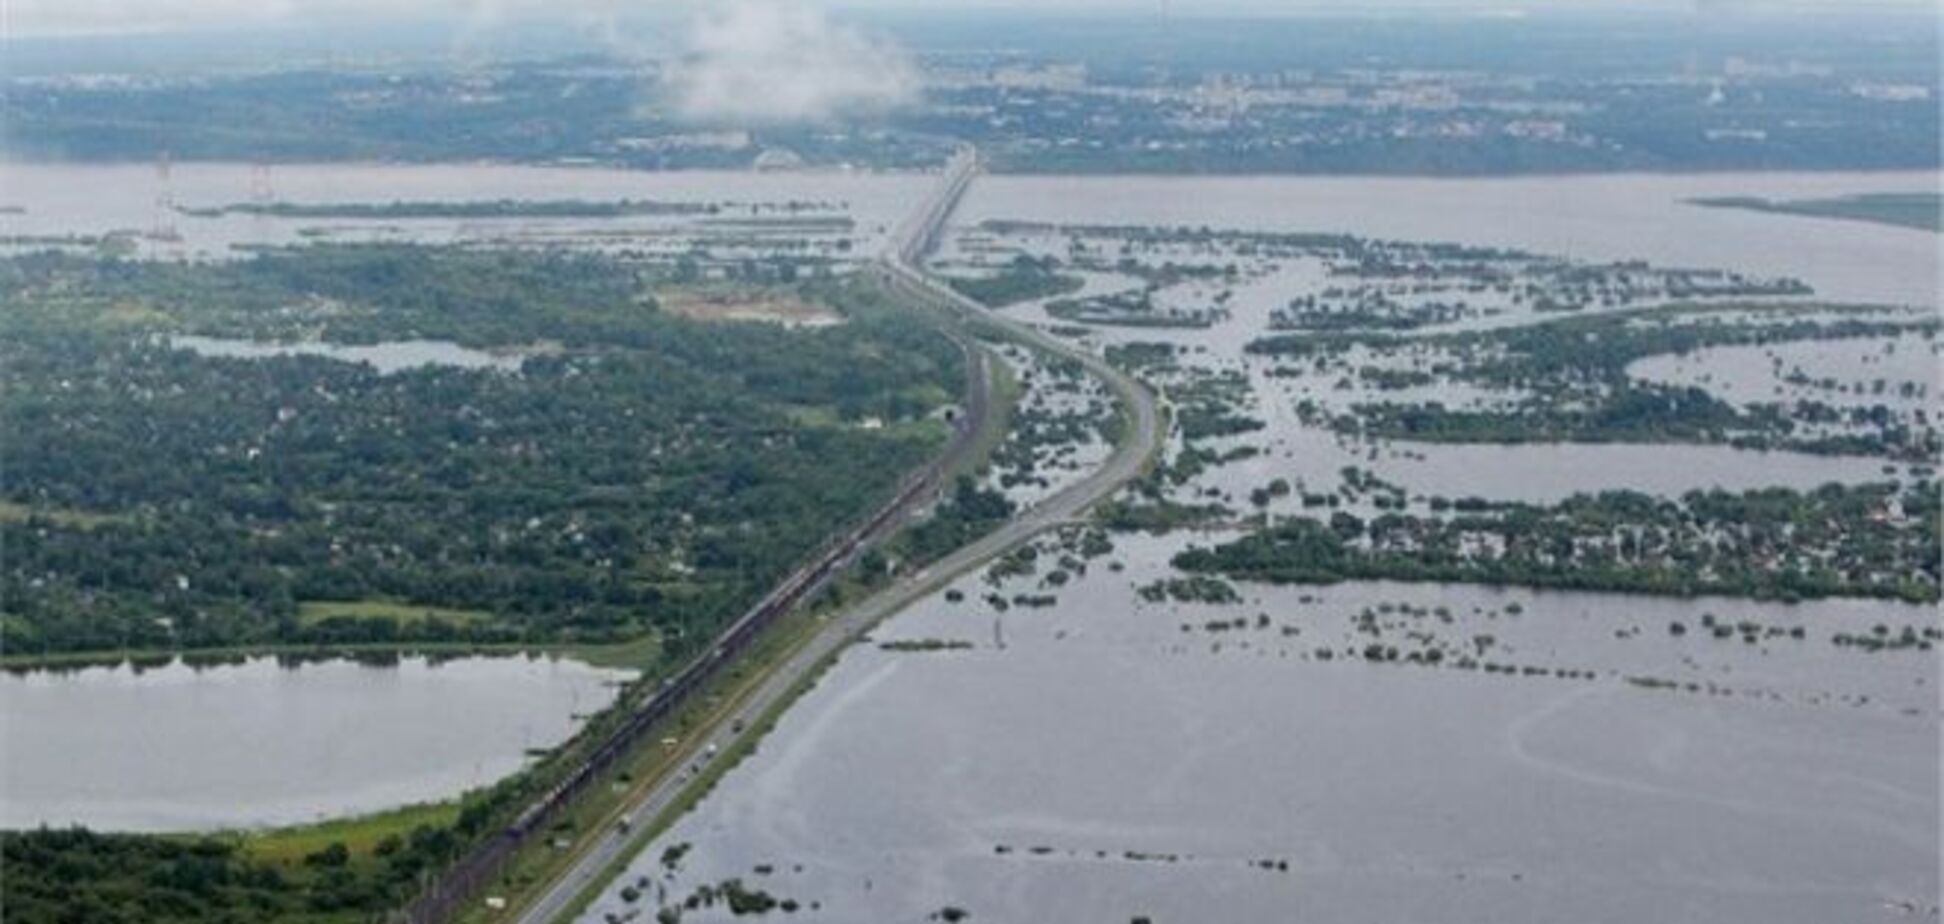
(1115,758)
(226,741)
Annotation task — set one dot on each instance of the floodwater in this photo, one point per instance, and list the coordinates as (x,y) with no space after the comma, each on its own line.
(1603,217)
(1841,372)
(1797,783)
(1532,473)
(1107,757)
(1536,473)
(1587,218)
(1042,394)
(385,358)
(129,198)
(261,743)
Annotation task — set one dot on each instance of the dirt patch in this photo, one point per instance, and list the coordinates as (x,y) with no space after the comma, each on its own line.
(774,307)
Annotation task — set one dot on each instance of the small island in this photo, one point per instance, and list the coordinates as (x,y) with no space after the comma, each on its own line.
(1905,210)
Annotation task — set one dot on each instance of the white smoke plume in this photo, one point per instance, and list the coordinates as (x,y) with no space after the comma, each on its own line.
(779,61)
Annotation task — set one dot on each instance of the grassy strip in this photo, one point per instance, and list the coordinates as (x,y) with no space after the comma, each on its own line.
(11,512)
(1000,403)
(361,834)
(635,654)
(639,653)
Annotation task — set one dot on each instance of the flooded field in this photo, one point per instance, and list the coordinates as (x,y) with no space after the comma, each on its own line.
(1605,217)
(1532,473)
(1900,372)
(1118,757)
(1311,454)
(259,742)
(1056,432)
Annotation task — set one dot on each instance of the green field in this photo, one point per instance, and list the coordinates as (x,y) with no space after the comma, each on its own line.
(635,654)
(11,512)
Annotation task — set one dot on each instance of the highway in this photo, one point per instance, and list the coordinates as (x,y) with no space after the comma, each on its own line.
(901,270)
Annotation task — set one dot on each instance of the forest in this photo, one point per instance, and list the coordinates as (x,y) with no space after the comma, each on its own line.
(638,473)
(1879,540)
(76,875)
(1024,279)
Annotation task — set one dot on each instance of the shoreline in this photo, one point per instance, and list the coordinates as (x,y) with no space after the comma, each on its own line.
(632,654)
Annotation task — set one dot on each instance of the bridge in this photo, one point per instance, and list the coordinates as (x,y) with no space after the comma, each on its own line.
(901,268)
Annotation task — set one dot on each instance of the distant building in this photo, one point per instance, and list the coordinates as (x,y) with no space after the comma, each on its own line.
(719,141)
(1891,92)
(1042,77)
(777,159)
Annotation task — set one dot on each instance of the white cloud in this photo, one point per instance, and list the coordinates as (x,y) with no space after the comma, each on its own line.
(770,61)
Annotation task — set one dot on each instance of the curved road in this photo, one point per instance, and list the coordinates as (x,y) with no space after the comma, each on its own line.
(899,269)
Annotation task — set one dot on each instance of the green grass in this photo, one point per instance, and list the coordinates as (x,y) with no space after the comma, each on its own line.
(639,653)
(311,612)
(11,512)
(1000,405)
(289,846)
(815,415)
(926,428)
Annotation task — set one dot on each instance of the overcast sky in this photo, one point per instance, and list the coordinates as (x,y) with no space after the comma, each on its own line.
(58,17)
